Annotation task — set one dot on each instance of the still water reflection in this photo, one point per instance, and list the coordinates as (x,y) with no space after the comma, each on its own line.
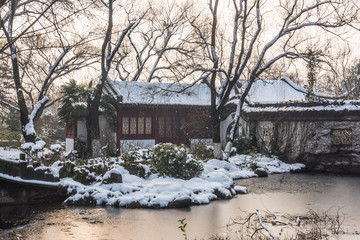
(279,194)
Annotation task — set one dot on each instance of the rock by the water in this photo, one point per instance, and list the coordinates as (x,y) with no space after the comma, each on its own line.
(180,203)
(85,201)
(112,177)
(261,172)
(298,170)
(240,190)
(222,195)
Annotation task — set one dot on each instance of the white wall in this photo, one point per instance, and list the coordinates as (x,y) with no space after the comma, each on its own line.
(143,143)
(105,131)
(69,144)
(81,130)
(206,141)
(107,136)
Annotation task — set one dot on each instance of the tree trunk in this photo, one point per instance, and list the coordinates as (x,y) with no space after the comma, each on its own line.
(24,113)
(237,118)
(215,121)
(216,138)
(92,125)
(29,136)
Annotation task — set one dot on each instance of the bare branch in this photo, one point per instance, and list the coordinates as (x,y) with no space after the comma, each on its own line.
(51,72)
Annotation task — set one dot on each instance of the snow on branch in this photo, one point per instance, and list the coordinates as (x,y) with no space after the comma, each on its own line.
(38,108)
(122,36)
(51,72)
(29,127)
(10,15)
(203,38)
(263,226)
(240,68)
(9,105)
(278,57)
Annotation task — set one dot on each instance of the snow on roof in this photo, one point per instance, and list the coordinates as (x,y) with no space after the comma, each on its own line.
(262,91)
(274,91)
(331,105)
(278,91)
(160,93)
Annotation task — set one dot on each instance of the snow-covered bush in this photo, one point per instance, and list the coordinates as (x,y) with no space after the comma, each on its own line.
(175,161)
(245,146)
(132,154)
(136,154)
(56,148)
(202,151)
(136,161)
(38,154)
(85,171)
(66,169)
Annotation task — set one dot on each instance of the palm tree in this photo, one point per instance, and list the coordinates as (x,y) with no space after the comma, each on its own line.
(74,106)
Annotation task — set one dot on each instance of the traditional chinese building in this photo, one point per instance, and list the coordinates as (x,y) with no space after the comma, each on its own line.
(283,118)
(151,113)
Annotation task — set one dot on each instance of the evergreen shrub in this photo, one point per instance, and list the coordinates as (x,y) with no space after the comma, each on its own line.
(245,146)
(132,154)
(202,151)
(175,161)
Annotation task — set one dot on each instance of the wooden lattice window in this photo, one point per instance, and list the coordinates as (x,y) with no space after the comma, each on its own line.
(341,137)
(133,125)
(125,125)
(148,125)
(168,127)
(136,126)
(161,127)
(141,125)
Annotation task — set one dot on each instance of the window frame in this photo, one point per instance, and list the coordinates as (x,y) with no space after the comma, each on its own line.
(137,114)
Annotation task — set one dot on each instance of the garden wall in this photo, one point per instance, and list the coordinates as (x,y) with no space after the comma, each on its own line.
(22,170)
(324,143)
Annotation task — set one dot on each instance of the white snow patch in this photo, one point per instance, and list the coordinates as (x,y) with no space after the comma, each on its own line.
(240,189)
(18,179)
(161,93)
(161,191)
(10,155)
(29,128)
(39,145)
(55,147)
(331,106)
(155,191)
(48,114)
(55,169)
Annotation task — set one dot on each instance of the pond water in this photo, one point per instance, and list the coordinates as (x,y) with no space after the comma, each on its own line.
(283,194)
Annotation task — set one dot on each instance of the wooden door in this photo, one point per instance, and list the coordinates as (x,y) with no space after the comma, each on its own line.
(171,126)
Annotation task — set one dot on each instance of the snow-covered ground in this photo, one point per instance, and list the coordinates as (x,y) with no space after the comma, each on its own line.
(216,182)
(154,191)
(10,155)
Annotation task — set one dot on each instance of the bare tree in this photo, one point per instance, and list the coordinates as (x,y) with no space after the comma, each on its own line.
(149,47)
(252,48)
(108,51)
(2,2)
(32,78)
(339,76)
(157,46)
